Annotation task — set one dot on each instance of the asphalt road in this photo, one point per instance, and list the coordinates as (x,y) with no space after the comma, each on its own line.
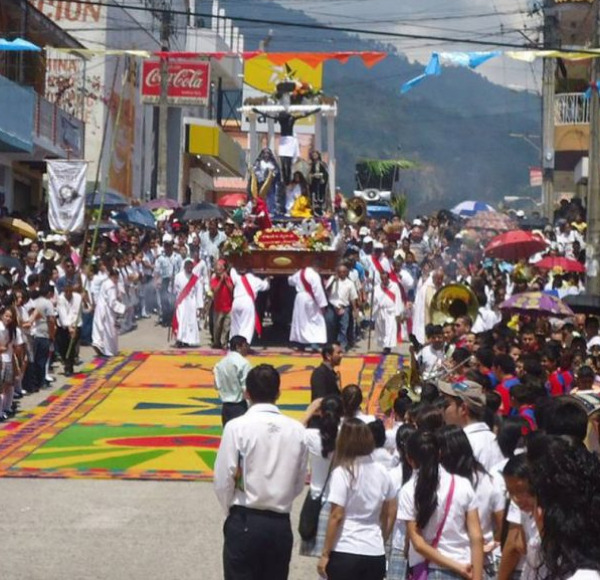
(118,530)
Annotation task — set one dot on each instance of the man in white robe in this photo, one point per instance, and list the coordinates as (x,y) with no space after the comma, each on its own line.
(243,311)
(388,306)
(423,297)
(188,304)
(105,336)
(308,318)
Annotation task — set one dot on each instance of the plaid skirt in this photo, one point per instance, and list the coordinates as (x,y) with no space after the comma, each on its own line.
(314,547)
(397,565)
(7,373)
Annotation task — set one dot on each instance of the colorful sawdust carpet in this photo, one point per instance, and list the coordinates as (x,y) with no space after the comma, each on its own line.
(146,415)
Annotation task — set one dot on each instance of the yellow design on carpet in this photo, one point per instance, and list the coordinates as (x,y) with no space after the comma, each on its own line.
(154,415)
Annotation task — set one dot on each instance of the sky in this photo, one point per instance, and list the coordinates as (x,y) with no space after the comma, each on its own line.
(494,20)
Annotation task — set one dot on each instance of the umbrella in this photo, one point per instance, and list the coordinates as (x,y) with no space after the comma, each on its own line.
(232,200)
(19,226)
(583,303)
(470,208)
(565,264)
(491,220)
(199,211)
(9,263)
(137,216)
(514,246)
(4,282)
(162,203)
(103,227)
(111,199)
(536,303)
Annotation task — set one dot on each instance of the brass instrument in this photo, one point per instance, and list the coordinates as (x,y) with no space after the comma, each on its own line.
(452,301)
(356,210)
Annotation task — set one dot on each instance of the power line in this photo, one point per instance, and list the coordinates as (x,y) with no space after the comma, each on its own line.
(314,26)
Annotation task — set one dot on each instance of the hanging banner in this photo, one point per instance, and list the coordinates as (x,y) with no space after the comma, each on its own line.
(66,194)
(188,82)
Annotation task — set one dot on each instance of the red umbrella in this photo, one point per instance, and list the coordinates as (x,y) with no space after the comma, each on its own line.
(232,200)
(565,264)
(515,245)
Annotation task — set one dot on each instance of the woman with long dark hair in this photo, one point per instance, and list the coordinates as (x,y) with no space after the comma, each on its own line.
(8,335)
(456,455)
(352,399)
(360,494)
(441,516)
(321,447)
(565,481)
(397,561)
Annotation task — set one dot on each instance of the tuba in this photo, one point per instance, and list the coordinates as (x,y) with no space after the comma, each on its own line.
(356,210)
(452,301)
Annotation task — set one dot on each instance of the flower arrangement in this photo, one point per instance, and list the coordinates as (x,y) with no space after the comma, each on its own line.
(236,244)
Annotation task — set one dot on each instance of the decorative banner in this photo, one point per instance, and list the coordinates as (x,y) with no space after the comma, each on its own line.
(188,82)
(465,59)
(66,194)
(276,237)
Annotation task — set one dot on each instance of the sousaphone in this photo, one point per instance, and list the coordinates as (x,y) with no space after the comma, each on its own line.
(452,301)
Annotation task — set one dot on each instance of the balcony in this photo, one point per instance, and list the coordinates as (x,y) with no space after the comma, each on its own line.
(56,133)
(571,109)
(16,118)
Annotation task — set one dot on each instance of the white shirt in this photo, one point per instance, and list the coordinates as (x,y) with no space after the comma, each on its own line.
(382,456)
(399,532)
(531,561)
(585,575)
(484,445)
(362,498)
(261,462)
(69,312)
(342,293)
(430,360)
(319,465)
(489,498)
(454,541)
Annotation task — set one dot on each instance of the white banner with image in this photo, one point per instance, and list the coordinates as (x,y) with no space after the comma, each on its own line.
(66,195)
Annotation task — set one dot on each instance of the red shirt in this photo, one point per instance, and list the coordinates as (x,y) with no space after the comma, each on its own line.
(559,382)
(223,297)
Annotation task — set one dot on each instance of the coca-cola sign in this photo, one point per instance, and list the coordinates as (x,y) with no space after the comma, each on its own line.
(188,82)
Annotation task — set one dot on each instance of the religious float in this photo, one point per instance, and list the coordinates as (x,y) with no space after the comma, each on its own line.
(281,232)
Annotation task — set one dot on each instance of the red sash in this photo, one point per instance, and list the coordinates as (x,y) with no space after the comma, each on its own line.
(377,265)
(182,296)
(394,278)
(389,294)
(257,324)
(307,285)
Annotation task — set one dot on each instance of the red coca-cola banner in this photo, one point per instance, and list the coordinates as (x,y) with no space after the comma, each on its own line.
(189,82)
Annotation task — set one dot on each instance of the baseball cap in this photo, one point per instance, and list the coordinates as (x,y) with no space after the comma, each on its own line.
(417,222)
(469,392)
(378,246)
(364,231)
(167,239)
(367,240)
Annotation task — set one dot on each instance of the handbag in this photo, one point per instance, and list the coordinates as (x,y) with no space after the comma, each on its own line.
(311,509)
(421,570)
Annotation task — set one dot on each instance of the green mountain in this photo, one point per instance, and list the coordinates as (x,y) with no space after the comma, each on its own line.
(456,126)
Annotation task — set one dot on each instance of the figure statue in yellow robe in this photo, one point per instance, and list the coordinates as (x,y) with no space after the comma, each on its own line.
(301,207)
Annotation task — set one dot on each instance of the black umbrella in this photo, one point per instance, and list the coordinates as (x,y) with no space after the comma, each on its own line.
(199,211)
(111,199)
(583,303)
(9,263)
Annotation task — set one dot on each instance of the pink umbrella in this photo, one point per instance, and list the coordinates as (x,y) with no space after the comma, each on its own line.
(232,200)
(515,245)
(565,264)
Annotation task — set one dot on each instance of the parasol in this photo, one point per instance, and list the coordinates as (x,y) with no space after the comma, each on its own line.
(584,303)
(199,211)
(9,263)
(136,216)
(515,245)
(19,227)
(471,208)
(111,199)
(565,264)
(491,220)
(232,200)
(536,303)
(162,203)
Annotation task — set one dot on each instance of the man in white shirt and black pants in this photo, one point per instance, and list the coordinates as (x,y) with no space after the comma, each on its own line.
(260,469)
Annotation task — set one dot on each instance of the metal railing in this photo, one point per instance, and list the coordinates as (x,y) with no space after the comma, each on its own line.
(571,109)
(60,128)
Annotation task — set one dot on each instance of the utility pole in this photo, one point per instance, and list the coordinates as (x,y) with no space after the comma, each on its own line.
(592,283)
(548,81)
(163,107)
